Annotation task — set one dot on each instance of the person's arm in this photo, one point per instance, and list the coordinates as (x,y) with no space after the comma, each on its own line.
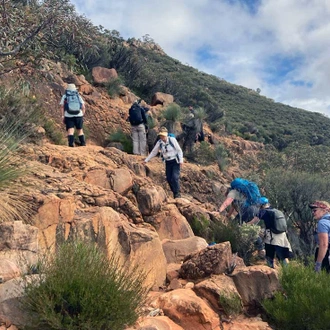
(323,246)
(83,108)
(225,204)
(143,114)
(153,152)
(253,221)
(178,149)
(62,106)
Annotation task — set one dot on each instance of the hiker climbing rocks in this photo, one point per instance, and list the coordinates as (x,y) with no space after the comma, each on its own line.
(172,155)
(242,197)
(275,237)
(73,110)
(321,213)
(138,121)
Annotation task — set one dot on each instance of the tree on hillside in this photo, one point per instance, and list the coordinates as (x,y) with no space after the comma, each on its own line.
(31,30)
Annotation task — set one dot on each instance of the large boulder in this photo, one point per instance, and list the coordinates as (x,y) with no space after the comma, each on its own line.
(217,285)
(176,250)
(215,259)
(103,75)
(150,199)
(255,283)
(185,308)
(162,98)
(170,223)
(8,270)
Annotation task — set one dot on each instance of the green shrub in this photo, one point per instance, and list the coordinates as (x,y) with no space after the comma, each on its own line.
(114,87)
(79,288)
(221,156)
(200,227)
(172,112)
(242,238)
(231,303)
(124,139)
(53,133)
(303,301)
(202,154)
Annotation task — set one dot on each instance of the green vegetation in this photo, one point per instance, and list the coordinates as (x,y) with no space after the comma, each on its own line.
(200,227)
(54,133)
(53,30)
(172,113)
(113,87)
(17,113)
(79,288)
(124,139)
(302,302)
(231,303)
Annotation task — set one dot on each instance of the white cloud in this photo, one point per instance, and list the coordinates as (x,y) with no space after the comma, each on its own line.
(282,47)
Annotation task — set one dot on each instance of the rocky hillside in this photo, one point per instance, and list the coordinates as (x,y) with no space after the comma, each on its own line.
(104,195)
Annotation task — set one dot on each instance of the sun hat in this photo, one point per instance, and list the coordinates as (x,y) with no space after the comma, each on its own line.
(163,131)
(320,205)
(71,87)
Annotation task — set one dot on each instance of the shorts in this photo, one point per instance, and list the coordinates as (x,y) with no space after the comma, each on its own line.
(74,122)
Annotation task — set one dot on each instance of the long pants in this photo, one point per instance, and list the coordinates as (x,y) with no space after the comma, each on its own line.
(139,139)
(172,169)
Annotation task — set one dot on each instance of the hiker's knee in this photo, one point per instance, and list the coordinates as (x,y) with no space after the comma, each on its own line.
(70,131)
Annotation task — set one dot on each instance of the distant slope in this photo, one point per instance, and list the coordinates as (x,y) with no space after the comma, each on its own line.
(242,110)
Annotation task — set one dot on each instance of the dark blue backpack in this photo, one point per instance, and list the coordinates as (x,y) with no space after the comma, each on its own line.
(135,115)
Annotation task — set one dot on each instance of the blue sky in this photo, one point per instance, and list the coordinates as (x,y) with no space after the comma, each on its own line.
(279,46)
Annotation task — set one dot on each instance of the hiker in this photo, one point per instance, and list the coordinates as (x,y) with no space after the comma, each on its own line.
(243,196)
(73,110)
(237,201)
(172,155)
(138,121)
(192,128)
(321,213)
(275,237)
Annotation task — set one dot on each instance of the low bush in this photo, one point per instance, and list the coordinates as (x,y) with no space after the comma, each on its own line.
(79,288)
(231,303)
(172,112)
(242,238)
(114,87)
(123,138)
(303,301)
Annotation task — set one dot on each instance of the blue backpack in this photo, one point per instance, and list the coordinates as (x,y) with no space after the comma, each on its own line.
(72,104)
(248,188)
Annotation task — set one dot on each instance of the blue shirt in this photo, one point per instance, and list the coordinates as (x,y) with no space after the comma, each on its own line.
(323,226)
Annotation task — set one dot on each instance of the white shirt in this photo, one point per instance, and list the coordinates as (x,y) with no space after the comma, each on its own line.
(167,150)
(66,114)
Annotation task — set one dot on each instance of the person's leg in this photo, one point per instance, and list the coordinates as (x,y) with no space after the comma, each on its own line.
(270,254)
(282,254)
(175,179)
(142,140)
(135,138)
(168,172)
(69,124)
(80,132)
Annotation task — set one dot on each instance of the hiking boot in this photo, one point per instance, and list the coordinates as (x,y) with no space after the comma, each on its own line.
(177,195)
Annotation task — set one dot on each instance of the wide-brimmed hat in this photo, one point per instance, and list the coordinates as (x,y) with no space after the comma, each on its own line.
(320,205)
(71,87)
(163,131)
